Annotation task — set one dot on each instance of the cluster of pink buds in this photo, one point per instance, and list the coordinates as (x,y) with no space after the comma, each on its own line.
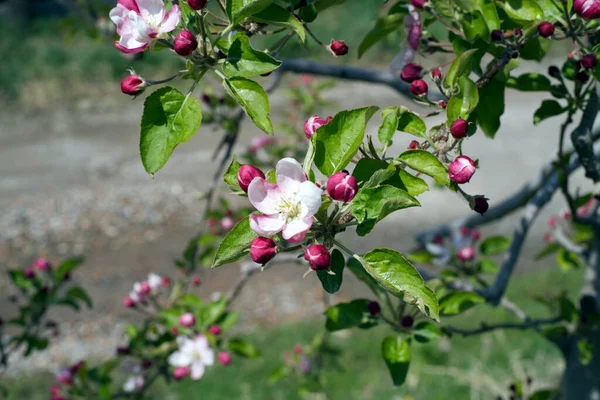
(64,378)
(462,241)
(142,290)
(559,224)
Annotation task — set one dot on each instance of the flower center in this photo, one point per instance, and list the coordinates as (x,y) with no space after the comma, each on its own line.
(289,206)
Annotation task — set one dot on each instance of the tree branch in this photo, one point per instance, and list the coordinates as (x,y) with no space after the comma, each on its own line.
(534,323)
(582,139)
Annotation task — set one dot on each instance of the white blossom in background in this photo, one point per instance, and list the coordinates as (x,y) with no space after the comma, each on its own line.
(194,354)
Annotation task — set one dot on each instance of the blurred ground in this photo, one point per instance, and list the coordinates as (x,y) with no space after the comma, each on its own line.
(72,183)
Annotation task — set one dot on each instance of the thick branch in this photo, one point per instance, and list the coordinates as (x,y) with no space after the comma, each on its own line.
(534,323)
(582,139)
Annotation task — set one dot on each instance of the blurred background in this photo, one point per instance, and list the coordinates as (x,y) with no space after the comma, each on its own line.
(71,183)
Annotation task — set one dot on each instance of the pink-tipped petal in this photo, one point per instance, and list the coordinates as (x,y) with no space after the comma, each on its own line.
(126,50)
(266,225)
(295,230)
(264,196)
(171,20)
(289,175)
(197,370)
(129,4)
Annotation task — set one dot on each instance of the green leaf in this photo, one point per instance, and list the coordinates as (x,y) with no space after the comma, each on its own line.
(243,60)
(552,10)
(459,67)
(463,102)
(346,315)
(534,49)
(567,260)
(18,279)
(333,283)
(548,109)
(522,11)
(426,331)
(531,82)
(383,27)
(169,118)
(253,99)
(585,351)
(458,302)
(487,265)
(337,142)
(371,205)
(361,274)
(77,293)
(490,107)
(397,275)
(443,7)
(490,13)
(236,245)
(238,10)
(409,122)
(325,4)
(396,354)
(494,245)
(544,394)
(412,184)
(67,266)
(243,348)
(475,26)
(231,175)
(389,123)
(279,16)
(426,163)
(551,248)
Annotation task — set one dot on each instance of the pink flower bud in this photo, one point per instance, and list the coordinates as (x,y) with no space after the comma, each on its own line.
(587,9)
(41,264)
(144,288)
(411,72)
(475,235)
(418,3)
(128,302)
(246,174)
(197,4)
(443,104)
(548,237)
(180,372)
(480,205)
(438,239)
(461,170)
(466,254)
(518,32)
(589,61)
(342,187)
(374,308)
(224,358)
(338,48)
(318,257)
(566,214)
(407,321)
(227,223)
(64,377)
(497,35)
(133,85)
(262,250)
(436,75)
(465,230)
(552,221)
(546,29)
(145,364)
(187,320)
(413,145)
(165,281)
(185,43)
(459,128)
(215,330)
(298,349)
(76,367)
(314,123)
(419,87)
(29,273)
(195,281)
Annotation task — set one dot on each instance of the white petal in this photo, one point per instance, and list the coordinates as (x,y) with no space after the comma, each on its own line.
(295,230)
(197,370)
(289,175)
(208,356)
(155,281)
(266,225)
(264,196)
(310,197)
(130,384)
(180,359)
(140,30)
(118,15)
(171,20)
(151,9)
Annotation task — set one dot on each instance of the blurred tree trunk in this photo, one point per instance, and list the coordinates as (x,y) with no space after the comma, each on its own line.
(16,11)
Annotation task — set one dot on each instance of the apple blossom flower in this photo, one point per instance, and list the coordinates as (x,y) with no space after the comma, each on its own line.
(140,21)
(155,282)
(194,354)
(287,206)
(135,381)
(466,253)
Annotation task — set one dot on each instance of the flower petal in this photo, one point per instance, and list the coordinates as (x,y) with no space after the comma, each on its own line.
(197,370)
(295,230)
(151,10)
(289,175)
(180,359)
(171,20)
(310,197)
(129,4)
(118,15)
(264,196)
(266,225)
(127,50)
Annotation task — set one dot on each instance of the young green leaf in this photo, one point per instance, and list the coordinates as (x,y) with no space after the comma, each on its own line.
(457,302)
(337,142)
(426,163)
(236,245)
(410,122)
(396,354)
(426,331)
(278,16)
(253,99)
(243,348)
(346,315)
(169,118)
(475,26)
(490,107)
(231,175)
(383,27)
(531,82)
(397,275)
(463,102)
(459,67)
(494,245)
(333,283)
(243,60)
(238,10)
(548,109)
(522,11)
(389,122)
(490,14)
(361,274)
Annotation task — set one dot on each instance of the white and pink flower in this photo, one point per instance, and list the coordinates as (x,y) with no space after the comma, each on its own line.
(194,354)
(288,206)
(135,381)
(141,21)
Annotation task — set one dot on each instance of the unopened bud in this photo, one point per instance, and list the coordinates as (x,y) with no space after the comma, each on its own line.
(459,128)
(411,72)
(418,3)
(215,330)
(407,321)
(133,85)
(262,250)
(497,35)
(338,48)
(462,169)
(466,254)
(224,358)
(413,145)
(246,174)
(314,123)
(187,320)
(42,264)
(342,187)
(197,4)
(180,372)
(374,308)
(318,257)
(185,43)
(546,29)
(480,205)
(436,75)
(419,87)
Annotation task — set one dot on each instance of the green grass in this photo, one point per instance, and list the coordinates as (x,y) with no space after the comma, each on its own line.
(453,369)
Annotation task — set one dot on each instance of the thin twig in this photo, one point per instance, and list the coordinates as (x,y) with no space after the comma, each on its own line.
(535,324)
